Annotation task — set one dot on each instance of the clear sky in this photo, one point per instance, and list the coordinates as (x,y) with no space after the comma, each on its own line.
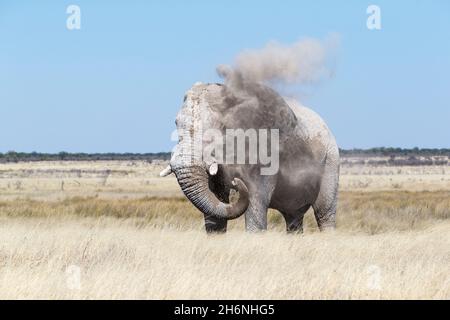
(116,84)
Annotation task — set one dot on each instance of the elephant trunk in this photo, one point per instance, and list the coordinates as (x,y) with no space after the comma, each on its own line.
(194,183)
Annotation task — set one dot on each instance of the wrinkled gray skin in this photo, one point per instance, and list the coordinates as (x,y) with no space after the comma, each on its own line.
(308,155)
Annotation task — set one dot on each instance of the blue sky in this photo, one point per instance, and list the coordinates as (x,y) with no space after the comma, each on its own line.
(117,84)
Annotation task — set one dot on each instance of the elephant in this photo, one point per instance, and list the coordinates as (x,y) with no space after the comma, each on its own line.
(308,159)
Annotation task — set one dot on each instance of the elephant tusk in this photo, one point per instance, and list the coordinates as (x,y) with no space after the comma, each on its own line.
(166,171)
(213,169)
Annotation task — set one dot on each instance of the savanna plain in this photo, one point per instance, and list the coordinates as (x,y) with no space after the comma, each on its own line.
(114,229)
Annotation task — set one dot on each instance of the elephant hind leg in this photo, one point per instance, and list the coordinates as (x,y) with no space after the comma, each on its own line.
(325,216)
(325,206)
(326,202)
(214,224)
(294,221)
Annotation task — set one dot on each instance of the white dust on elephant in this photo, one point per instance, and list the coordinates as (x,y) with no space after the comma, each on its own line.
(282,67)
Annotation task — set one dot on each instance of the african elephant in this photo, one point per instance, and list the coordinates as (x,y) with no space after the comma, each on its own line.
(308,159)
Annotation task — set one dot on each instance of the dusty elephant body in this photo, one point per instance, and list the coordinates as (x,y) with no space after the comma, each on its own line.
(308,159)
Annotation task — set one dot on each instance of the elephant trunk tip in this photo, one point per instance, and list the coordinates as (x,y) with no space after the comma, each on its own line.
(194,182)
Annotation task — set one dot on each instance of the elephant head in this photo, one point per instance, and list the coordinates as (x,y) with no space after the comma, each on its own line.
(191,170)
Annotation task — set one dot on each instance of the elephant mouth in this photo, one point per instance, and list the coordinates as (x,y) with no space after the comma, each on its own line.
(194,182)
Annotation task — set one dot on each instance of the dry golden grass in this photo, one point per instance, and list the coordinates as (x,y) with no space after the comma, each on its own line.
(364,212)
(104,258)
(133,235)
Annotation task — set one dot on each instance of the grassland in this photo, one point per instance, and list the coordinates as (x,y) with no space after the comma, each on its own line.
(113,229)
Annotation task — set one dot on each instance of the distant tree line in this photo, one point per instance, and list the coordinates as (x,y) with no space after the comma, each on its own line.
(13,156)
(397,156)
(394,152)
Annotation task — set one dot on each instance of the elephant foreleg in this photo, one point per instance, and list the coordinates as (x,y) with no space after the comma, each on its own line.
(214,224)
(256,216)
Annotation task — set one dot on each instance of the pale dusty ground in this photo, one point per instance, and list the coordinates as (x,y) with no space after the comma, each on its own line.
(108,179)
(134,179)
(421,178)
(393,241)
